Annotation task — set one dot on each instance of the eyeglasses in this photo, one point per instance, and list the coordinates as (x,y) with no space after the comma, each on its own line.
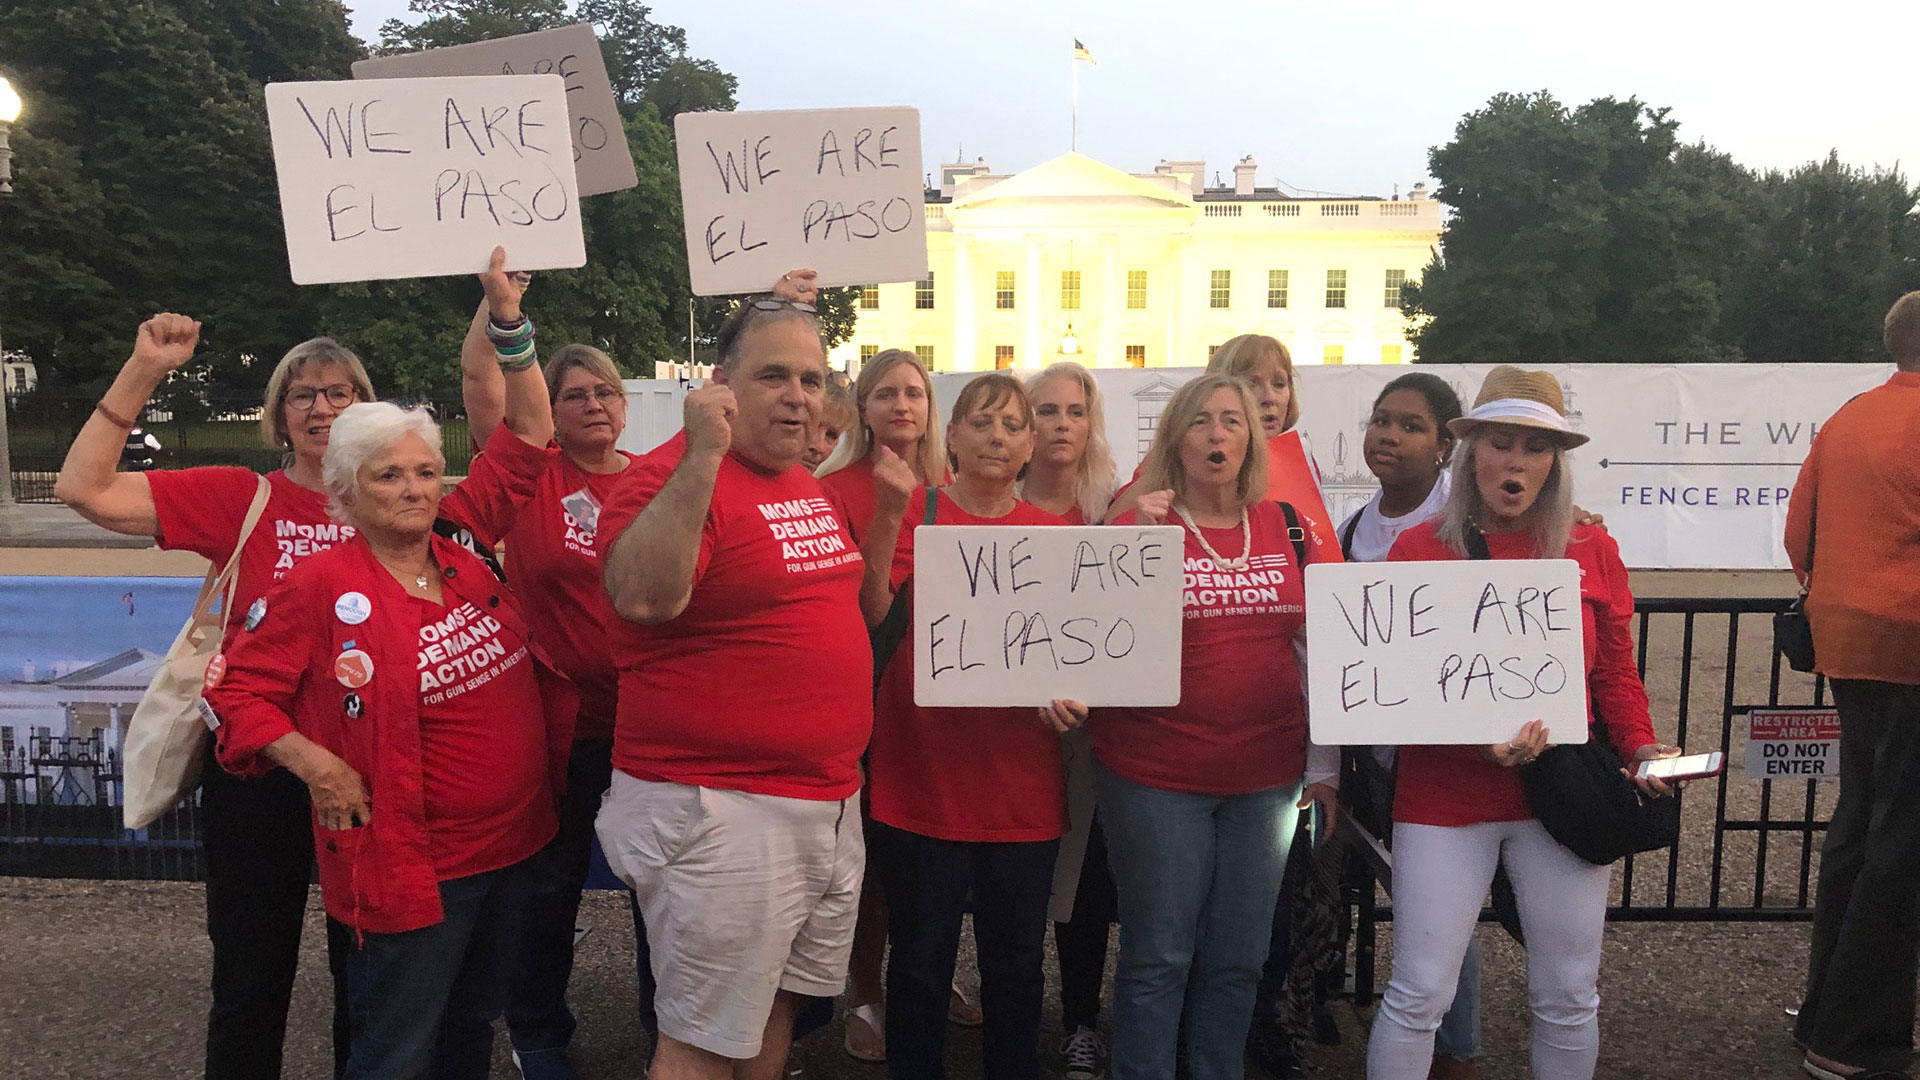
(339,395)
(775,305)
(604,394)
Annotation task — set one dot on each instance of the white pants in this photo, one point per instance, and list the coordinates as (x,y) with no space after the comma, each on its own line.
(1440,879)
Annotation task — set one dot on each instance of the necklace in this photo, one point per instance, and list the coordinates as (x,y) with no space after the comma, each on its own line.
(1246,541)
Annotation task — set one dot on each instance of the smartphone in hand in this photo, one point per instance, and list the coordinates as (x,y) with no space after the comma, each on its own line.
(1689,767)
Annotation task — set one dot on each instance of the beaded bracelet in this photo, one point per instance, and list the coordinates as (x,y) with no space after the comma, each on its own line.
(512,343)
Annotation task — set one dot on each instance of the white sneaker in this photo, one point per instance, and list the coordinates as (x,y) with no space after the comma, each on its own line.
(1086,1055)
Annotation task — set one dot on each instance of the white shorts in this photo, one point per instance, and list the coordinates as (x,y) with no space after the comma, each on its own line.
(744,895)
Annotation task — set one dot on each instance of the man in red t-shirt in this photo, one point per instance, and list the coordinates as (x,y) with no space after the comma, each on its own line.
(744,705)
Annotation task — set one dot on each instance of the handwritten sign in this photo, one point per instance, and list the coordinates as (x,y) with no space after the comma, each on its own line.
(1417,654)
(421,177)
(1013,615)
(600,154)
(838,190)
(1793,744)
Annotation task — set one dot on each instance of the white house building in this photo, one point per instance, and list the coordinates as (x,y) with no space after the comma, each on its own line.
(1076,258)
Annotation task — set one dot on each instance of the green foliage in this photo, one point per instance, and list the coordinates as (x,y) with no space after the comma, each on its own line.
(1591,235)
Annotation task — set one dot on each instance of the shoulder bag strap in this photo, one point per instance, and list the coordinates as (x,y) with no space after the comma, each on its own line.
(1295,533)
(224,581)
(1346,535)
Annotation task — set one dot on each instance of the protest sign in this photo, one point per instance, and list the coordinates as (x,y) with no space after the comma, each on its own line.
(421,177)
(1021,615)
(600,155)
(1793,744)
(1427,653)
(837,190)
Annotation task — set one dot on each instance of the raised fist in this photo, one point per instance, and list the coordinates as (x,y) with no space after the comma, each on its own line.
(1153,507)
(166,341)
(504,289)
(709,417)
(893,482)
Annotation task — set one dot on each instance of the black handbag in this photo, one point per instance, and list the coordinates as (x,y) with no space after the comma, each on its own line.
(1793,635)
(1581,797)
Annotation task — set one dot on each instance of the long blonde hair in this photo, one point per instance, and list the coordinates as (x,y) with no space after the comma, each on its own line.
(1094,473)
(1238,356)
(1465,509)
(1163,468)
(929,458)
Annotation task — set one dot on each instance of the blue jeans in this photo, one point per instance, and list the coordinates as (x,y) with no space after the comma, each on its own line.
(541,961)
(422,1003)
(1198,877)
(1459,1033)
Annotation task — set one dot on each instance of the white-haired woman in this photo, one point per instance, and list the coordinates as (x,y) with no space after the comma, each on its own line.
(1460,811)
(258,832)
(1199,799)
(398,679)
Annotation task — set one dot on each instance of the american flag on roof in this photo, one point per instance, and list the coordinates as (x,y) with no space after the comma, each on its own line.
(1081,52)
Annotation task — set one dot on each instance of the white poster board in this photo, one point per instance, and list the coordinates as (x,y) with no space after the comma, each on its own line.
(837,190)
(423,177)
(600,155)
(1428,653)
(1021,615)
(1793,744)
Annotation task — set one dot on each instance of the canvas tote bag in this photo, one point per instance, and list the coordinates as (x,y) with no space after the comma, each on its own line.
(164,741)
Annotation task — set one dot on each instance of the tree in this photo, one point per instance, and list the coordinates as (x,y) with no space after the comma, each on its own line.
(1574,237)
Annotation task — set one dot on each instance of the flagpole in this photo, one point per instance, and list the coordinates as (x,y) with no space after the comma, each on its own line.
(1073,131)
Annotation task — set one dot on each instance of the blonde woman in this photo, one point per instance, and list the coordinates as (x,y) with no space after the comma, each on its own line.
(893,407)
(1071,473)
(1199,800)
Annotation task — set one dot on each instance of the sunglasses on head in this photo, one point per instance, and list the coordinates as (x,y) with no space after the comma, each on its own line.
(771,304)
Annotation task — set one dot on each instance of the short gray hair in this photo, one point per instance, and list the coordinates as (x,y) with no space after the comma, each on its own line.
(362,430)
(1465,509)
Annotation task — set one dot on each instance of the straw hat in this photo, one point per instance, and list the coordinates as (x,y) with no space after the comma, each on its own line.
(1529,399)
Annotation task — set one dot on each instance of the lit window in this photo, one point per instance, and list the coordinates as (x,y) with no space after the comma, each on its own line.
(869,297)
(1390,354)
(1336,288)
(1069,290)
(923,293)
(1333,354)
(1003,290)
(1136,290)
(868,352)
(1136,356)
(1395,280)
(925,353)
(1221,293)
(1277,282)
(1002,357)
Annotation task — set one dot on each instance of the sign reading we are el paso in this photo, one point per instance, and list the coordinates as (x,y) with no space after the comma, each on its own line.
(836,190)
(397,178)
(1430,653)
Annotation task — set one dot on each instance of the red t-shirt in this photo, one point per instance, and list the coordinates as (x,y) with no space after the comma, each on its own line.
(201,510)
(554,564)
(1241,725)
(968,774)
(483,763)
(853,486)
(1455,785)
(764,683)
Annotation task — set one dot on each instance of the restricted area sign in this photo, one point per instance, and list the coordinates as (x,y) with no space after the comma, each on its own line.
(1793,744)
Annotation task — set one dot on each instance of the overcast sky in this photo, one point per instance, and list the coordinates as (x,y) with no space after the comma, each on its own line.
(1331,96)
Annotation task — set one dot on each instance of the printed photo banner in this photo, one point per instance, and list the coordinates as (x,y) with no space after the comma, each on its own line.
(399,178)
(601,158)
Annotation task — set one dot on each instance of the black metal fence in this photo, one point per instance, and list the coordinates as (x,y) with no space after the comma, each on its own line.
(204,427)
(61,818)
(1748,849)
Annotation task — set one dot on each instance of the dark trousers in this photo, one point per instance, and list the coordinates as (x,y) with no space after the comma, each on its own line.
(927,883)
(1859,1008)
(541,961)
(258,837)
(423,1002)
(1081,941)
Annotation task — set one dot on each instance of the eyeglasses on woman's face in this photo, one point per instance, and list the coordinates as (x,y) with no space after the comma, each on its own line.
(578,397)
(339,395)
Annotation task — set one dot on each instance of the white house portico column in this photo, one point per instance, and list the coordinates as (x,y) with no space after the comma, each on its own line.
(1030,291)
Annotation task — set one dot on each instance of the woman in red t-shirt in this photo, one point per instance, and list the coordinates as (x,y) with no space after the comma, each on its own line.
(964,801)
(1199,800)
(259,834)
(1461,811)
(893,407)
(397,678)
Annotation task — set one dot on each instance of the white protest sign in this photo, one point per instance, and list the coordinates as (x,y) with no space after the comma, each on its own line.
(423,177)
(1020,615)
(1427,653)
(838,190)
(600,154)
(1793,744)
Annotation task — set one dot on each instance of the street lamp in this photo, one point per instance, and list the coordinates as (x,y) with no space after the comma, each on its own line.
(9,112)
(1069,343)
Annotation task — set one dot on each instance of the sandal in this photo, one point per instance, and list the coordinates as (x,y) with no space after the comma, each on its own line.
(873,1016)
(961,1011)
